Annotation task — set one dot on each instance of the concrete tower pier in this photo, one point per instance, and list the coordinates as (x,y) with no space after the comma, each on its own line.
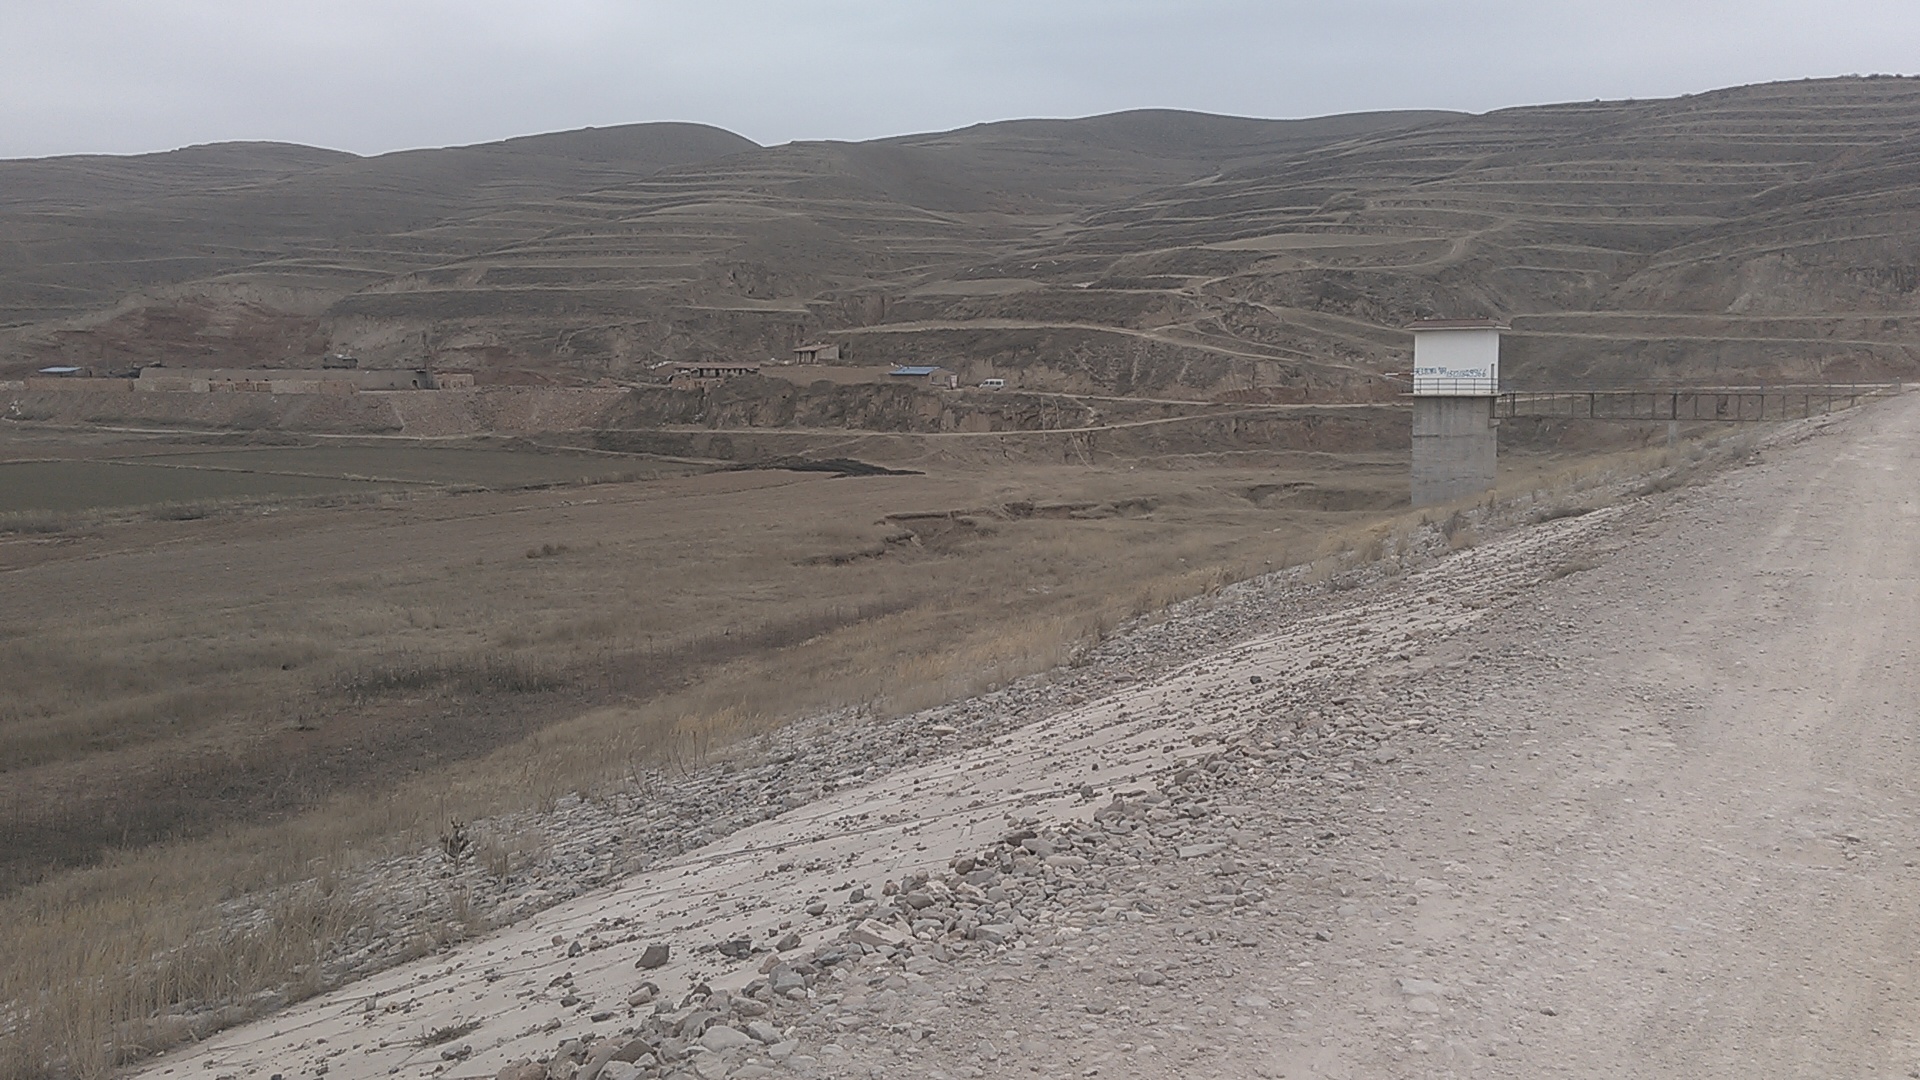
(1454,448)
(1456,376)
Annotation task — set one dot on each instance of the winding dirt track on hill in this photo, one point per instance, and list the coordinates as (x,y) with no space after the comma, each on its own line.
(1650,813)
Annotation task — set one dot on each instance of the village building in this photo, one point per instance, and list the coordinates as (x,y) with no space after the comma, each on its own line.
(931,374)
(816,354)
(696,376)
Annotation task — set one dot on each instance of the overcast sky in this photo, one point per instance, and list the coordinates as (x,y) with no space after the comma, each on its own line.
(124,76)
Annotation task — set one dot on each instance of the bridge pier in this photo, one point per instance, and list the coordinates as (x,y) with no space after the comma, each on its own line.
(1456,381)
(1455,448)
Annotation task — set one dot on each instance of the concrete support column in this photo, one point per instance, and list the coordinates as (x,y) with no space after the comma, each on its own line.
(1455,448)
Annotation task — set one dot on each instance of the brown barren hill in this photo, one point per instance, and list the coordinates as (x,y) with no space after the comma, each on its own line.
(1759,233)
(84,234)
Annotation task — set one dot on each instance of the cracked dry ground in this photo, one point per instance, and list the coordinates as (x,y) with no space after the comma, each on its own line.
(1623,794)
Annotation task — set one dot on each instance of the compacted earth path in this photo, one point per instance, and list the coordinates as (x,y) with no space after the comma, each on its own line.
(1618,793)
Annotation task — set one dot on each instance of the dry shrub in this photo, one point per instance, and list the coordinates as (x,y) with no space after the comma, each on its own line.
(449,1032)
(1579,564)
(99,984)
(1556,513)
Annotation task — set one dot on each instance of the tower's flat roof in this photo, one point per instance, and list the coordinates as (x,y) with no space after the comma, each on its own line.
(1457,324)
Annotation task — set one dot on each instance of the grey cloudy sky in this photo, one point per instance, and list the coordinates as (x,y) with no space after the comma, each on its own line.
(124,76)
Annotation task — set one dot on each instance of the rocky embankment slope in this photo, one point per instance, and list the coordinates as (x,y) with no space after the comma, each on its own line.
(1581,799)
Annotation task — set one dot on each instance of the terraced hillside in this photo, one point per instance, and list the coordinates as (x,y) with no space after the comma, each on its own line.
(79,232)
(1762,232)
(578,252)
(1758,233)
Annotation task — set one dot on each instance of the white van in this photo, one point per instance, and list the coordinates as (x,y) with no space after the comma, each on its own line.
(993,384)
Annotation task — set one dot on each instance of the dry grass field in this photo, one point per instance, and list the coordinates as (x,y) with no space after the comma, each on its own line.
(176,674)
(52,479)
(203,706)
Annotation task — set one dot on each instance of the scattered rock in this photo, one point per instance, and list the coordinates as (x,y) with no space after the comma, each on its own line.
(762,1032)
(720,1038)
(634,1050)
(598,1061)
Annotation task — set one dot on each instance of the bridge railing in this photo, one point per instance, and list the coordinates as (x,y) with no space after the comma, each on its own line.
(1474,386)
(1704,403)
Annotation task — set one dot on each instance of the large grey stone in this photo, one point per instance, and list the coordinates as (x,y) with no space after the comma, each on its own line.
(763,1032)
(720,1037)
(995,933)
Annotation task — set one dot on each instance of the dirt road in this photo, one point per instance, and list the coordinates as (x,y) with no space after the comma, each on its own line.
(1674,836)
(1691,833)
(1628,794)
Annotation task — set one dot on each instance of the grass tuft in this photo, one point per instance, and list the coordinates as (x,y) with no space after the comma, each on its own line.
(448,1033)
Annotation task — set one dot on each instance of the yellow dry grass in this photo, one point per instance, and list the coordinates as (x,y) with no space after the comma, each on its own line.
(441,606)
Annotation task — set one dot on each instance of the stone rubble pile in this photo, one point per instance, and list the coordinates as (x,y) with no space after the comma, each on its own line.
(910,949)
(419,902)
